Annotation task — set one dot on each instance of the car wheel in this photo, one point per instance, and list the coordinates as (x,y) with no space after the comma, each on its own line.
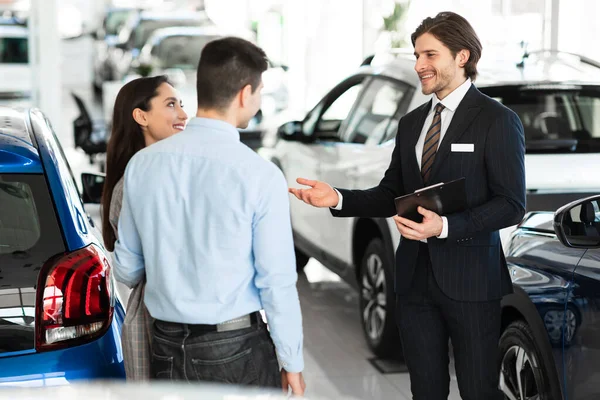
(523,375)
(561,327)
(301,259)
(377,301)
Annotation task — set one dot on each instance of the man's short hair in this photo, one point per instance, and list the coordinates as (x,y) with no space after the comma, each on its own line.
(226,66)
(455,32)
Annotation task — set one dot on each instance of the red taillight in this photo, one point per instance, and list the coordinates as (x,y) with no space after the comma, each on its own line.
(74,299)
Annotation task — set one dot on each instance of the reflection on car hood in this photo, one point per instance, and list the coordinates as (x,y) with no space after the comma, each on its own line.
(148,391)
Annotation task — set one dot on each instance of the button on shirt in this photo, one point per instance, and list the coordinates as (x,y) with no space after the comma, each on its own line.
(450,103)
(207,221)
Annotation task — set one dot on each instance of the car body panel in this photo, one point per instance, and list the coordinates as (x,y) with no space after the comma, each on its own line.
(32,138)
(582,355)
(100,359)
(71,214)
(564,285)
(18,154)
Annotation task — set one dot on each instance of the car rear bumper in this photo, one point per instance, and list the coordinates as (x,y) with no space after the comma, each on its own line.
(100,359)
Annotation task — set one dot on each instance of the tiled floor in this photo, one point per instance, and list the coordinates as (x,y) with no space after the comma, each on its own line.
(336,354)
(337,365)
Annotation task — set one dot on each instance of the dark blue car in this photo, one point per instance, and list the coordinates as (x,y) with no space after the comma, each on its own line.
(550,346)
(59,318)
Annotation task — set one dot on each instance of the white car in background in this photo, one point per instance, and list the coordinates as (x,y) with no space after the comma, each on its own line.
(347,140)
(15,70)
(175,52)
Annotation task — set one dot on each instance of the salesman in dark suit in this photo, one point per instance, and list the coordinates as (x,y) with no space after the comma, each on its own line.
(450,269)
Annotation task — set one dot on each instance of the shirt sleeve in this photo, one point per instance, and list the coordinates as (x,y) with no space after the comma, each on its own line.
(129,265)
(339,204)
(276,275)
(444,233)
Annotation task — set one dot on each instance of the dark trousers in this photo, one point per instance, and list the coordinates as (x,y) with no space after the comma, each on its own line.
(427,318)
(181,352)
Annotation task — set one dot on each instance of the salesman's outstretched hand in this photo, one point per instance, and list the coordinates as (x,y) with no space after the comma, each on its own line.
(319,194)
(430,226)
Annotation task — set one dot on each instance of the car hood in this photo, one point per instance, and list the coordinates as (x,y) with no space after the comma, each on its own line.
(148,391)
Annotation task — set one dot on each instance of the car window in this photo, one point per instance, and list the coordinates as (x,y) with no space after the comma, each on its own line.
(555,119)
(340,108)
(337,106)
(13,50)
(115,20)
(146,27)
(374,113)
(182,51)
(29,236)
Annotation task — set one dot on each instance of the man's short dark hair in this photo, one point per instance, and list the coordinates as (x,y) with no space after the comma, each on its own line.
(226,66)
(455,33)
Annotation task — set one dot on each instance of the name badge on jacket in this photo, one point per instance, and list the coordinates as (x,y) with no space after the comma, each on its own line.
(462,147)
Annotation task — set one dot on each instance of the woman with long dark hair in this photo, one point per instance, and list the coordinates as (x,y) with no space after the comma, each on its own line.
(146,110)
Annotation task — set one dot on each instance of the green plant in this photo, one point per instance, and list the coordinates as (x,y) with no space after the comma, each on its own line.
(144,69)
(393,24)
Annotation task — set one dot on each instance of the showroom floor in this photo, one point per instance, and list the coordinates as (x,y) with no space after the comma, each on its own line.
(336,355)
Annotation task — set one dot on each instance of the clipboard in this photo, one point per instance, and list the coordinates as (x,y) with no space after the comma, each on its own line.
(442,198)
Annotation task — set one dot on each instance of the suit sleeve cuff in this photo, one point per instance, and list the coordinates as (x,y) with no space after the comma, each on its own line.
(444,233)
(339,204)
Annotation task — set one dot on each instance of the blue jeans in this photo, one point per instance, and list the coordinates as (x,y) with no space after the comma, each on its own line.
(180,352)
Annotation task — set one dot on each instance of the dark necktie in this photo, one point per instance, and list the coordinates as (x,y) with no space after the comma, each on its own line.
(431,143)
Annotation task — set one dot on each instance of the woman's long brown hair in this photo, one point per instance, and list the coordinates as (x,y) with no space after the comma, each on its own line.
(126,139)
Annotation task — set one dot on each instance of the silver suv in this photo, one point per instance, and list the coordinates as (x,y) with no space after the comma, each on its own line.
(347,140)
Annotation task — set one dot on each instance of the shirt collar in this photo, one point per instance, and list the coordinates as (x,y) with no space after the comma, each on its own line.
(209,125)
(452,101)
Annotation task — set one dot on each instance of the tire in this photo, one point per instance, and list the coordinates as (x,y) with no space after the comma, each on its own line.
(301,259)
(517,355)
(377,301)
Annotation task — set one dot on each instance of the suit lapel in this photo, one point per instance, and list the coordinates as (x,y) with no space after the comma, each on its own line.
(464,115)
(415,133)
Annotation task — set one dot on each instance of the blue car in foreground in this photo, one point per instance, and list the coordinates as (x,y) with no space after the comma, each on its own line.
(60,320)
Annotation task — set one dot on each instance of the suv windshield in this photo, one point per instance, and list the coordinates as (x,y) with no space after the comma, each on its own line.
(13,50)
(182,51)
(556,118)
(147,26)
(29,236)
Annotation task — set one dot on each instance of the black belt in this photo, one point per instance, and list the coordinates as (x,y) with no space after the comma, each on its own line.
(242,322)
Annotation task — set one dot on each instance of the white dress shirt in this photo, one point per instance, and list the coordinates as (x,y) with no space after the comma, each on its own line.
(450,104)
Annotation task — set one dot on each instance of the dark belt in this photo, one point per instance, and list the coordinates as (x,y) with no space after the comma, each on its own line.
(242,322)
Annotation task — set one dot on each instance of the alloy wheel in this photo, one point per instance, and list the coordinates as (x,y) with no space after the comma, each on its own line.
(517,377)
(374,292)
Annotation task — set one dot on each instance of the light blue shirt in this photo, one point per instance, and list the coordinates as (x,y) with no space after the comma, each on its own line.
(207,221)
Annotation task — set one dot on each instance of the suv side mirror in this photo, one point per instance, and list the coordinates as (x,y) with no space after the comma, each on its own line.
(292,131)
(577,224)
(93,185)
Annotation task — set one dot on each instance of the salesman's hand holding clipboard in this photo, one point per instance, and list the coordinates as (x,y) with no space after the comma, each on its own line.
(419,213)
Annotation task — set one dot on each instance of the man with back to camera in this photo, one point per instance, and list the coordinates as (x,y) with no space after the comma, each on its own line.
(206,220)
(450,270)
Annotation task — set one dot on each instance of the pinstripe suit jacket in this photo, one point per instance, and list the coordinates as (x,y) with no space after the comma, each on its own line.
(469,264)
